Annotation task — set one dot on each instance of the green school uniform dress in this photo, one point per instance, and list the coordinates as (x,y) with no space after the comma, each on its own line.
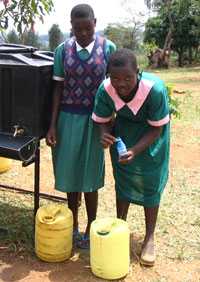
(142,180)
(78,158)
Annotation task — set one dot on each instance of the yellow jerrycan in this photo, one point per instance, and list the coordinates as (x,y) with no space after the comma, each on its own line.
(53,233)
(5,164)
(109,248)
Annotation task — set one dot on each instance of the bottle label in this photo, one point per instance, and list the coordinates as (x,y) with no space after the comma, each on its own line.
(121,147)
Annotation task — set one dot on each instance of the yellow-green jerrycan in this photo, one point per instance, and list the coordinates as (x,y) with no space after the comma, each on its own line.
(53,232)
(109,248)
(5,164)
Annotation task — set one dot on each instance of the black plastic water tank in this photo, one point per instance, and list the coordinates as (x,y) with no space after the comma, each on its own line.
(25,89)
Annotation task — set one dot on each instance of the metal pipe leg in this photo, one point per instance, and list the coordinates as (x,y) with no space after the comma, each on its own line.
(37,179)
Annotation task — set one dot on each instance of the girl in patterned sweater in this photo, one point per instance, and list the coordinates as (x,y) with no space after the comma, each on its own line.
(79,68)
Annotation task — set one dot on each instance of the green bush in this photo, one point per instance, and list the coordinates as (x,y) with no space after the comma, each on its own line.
(173,102)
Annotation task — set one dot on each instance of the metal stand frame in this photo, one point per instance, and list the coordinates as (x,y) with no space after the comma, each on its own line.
(37,179)
(36,191)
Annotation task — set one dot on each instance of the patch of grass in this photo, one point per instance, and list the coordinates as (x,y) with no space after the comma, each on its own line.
(16,214)
(142,61)
(186,82)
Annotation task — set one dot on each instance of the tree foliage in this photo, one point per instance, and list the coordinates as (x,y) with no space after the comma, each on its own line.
(55,37)
(155,31)
(12,37)
(23,13)
(148,3)
(127,33)
(31,38)
(156,4)
(185,16)
(122,36)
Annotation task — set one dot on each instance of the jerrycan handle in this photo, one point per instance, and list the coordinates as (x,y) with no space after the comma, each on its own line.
(52,215)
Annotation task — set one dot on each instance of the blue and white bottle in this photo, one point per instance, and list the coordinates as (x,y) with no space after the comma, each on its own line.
(121,147)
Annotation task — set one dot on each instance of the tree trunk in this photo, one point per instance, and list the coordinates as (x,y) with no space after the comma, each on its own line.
(180,58)
(196,52)
(190,55)
(166,52)
(160,58)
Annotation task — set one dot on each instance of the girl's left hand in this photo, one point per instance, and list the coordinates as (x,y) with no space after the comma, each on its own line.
(127,158)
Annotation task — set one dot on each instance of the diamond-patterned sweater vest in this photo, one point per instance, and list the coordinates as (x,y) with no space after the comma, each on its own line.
(82,77)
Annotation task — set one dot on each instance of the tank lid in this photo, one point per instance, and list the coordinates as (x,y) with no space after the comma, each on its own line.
(16,48)
(29,59)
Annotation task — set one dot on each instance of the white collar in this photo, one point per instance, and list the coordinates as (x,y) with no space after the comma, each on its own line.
(88,48)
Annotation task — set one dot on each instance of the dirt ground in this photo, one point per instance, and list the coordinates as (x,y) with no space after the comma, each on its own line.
(25,268)
(20,267)
(32,270)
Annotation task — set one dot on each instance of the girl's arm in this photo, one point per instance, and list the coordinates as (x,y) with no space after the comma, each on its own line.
(106,139)
(142,144)
(51,135)
(146,140)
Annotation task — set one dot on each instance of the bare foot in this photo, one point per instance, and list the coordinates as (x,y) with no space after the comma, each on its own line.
(148,252)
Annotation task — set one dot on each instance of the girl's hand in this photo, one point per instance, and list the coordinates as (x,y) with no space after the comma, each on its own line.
(107,140)
(127,158)
(51,137)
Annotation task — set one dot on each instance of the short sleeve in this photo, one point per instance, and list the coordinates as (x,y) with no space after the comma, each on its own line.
(58,68)
(110,47)
(158,106)
(103,107)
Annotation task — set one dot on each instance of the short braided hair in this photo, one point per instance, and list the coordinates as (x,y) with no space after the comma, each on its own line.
(121,58)
(82,11)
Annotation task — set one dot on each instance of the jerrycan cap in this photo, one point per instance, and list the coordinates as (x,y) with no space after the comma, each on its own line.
(106,228)
(48,218)
(103,232)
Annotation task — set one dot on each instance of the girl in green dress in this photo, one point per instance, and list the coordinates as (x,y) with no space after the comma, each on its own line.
(78,160)
(139,102)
